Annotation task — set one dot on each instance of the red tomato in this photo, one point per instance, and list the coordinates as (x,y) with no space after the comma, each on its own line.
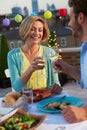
(17,121)
(24,126)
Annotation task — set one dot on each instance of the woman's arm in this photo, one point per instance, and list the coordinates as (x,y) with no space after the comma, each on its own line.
(15,62)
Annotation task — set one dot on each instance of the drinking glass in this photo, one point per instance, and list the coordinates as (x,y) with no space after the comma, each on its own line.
(41,74)
(29,94)
(53,56)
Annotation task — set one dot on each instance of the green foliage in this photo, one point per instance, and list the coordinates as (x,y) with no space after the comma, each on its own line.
(52,41)
(4,49)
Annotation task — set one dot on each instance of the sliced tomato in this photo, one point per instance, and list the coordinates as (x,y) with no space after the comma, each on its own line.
(24,126)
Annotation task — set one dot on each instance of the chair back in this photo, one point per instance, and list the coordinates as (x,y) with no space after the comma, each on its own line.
(7,73)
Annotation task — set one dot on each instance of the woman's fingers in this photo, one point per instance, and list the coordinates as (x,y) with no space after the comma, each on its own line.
(38,63)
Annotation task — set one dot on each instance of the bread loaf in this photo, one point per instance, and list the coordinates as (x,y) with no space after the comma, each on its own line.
(11,99)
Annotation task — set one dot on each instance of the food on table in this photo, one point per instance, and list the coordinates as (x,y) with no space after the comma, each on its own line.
(2,128)
(19,122)
(0,115)
(56,105)
(12,99)
(41,94)
(22,120)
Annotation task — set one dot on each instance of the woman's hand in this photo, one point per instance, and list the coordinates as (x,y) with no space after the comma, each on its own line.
(74,114)
(37,64)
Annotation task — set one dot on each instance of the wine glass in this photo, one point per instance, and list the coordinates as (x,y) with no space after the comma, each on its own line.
(57,54)
(53,56)
(29,95)
(41,74)
(43,65)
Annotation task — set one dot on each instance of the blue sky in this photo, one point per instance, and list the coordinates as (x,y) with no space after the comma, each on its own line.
(6,5)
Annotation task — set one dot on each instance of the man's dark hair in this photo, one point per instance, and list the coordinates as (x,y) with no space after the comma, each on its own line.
(78,6)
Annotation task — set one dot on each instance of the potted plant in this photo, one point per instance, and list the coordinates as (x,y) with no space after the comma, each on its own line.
(4,49)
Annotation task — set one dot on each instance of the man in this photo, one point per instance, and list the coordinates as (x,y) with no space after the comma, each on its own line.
(78,23)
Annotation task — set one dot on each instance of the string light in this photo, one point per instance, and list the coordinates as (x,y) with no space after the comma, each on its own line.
(52,42)
(47,14)
(6,22)
(62,12)
(52,38)
(18,18)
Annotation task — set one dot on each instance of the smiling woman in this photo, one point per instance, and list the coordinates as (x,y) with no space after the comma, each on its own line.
(26,63)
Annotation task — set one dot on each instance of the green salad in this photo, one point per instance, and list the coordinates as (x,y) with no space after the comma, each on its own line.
(19,122)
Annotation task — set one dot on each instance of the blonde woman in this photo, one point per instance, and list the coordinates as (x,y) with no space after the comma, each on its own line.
(26,63)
